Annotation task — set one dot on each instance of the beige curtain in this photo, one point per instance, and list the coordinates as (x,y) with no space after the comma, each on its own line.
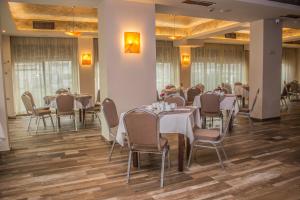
(43,65)
(289,65)
(214,64)
(167,64)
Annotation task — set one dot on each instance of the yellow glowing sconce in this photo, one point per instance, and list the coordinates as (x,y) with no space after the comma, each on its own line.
(185,59)
(132,42)
(86,59)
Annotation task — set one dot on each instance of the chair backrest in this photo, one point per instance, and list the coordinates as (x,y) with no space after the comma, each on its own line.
(210,104)
(192,92)
(175,99)
(28,103)
(228,88)
(65,103)
(31,97)
(61,91)
(224,130)
(98,96)
(201,87)
(110,113)
(181,93)
(254,101)
(238,88)
(142,129)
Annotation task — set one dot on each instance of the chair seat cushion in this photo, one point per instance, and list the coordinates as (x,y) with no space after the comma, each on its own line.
(207,134)
(43,112)
(151,148)
(244,110)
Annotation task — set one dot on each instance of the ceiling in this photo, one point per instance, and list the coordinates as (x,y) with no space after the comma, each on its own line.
(172,18)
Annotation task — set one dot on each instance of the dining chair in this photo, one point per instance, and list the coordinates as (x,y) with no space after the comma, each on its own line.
(112,119)
(65,107)
(210,106)
(212,138)
(95,110)
(61,91)
(238,91)
(247,111)
(191,93)
(201,87)
(284,96)
(33,102)
(178,100)
(227,87)
(143,136)
(35,112)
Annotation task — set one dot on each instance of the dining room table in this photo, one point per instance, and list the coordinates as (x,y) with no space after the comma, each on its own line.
(82,102)
(180,121)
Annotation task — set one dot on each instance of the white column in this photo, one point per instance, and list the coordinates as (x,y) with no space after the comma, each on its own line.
(265,68)
(128,79)
(4,143)
(86,72)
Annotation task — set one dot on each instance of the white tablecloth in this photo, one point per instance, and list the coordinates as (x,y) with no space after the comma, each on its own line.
(225,104)
(182,123)
(77,103)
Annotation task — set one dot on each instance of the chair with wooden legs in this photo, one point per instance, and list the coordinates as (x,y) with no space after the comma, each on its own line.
(212,138)
(35,112)
(112,119)
(143,136)
(65,107)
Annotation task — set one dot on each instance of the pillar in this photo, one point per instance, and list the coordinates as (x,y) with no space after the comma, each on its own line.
(127,78)
(265,68)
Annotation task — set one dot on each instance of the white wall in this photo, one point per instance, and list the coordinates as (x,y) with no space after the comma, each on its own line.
(86,73)
(4,144)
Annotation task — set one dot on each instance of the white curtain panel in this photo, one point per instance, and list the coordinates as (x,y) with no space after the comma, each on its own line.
(167,64)
(43,65)
(289,65)
(214,64)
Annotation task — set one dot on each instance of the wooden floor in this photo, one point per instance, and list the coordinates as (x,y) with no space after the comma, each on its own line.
(264,163)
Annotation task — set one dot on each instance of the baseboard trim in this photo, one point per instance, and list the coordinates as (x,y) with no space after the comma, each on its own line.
(266,119)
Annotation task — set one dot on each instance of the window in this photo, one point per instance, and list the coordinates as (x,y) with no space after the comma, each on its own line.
(167,64)
(214,64)
(42,66)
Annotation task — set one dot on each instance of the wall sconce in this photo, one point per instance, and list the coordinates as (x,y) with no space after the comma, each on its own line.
(86,59)
(185,59)
(132,42)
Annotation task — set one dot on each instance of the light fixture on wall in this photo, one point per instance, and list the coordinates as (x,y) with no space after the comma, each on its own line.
(86,59)
(132,42)
(71,30)
(185,59)
(174,36)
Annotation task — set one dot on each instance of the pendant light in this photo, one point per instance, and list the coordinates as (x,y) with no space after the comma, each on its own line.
(71,31)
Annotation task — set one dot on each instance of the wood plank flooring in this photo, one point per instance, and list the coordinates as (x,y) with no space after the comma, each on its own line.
(264,163)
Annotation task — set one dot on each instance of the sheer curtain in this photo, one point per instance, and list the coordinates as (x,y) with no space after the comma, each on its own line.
(43,65)
(289,65)
(96,65)
(217,63)
(167,64)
